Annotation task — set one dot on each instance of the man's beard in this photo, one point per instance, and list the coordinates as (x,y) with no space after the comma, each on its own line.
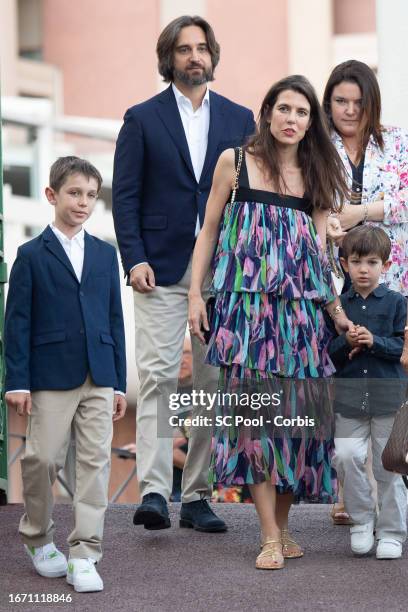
(185,76)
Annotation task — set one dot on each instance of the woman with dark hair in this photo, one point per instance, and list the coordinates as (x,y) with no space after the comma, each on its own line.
(271,284)
(376,161)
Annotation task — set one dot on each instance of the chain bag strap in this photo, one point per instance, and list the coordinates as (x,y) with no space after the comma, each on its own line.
(336,270)
(237,172)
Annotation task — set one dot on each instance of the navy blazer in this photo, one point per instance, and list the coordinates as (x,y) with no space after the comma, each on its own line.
(58,330)
(156,196)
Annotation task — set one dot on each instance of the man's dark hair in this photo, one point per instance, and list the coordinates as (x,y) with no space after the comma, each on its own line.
(64,167)
(168,39)
(367,240)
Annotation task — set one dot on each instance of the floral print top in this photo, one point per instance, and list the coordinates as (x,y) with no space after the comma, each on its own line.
(385,178)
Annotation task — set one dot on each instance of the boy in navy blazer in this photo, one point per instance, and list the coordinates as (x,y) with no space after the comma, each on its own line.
(66,365)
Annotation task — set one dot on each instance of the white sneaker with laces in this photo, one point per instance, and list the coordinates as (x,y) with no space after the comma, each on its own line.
(83,575)
(388,548)
(47,560)
(362,538)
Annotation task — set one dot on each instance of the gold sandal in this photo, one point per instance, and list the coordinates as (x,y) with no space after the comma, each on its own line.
(290,548)
(270,558)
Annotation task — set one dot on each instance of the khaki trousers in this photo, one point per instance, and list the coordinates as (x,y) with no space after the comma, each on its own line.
(160,326)
(89,408)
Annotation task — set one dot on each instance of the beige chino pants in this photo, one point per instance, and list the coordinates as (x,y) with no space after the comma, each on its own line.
(89,408)
(160,326)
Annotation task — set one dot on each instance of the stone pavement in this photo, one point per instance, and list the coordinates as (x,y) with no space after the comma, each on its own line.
(182,570)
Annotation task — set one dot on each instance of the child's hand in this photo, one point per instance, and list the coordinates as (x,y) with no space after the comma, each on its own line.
(352,336)
(364,337)
(20,401)
(354,351)
(119,406)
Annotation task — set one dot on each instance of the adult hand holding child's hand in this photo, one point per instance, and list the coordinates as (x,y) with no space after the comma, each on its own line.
(352,337)
(359,338)
(352,340)
(364,337)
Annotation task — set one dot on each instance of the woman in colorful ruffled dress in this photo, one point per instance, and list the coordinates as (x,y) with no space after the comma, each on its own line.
(271,284)
(376,161)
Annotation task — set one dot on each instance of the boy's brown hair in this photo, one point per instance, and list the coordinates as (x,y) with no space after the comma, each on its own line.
(366,240)
(64,167)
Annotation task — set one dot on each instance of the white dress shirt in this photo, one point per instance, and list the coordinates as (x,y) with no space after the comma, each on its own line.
(75,249)
(196,124)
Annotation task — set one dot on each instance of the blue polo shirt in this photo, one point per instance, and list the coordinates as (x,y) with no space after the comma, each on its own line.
(374,381)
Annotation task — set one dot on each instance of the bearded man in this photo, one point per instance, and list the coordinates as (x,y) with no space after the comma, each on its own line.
(165,157)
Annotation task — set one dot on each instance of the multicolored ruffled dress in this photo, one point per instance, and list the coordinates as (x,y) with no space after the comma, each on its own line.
(269,338)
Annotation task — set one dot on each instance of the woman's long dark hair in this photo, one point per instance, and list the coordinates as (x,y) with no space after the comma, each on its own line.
(359,73)
(322,169)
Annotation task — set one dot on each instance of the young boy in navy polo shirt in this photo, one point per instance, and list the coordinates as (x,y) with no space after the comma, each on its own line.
(370,387)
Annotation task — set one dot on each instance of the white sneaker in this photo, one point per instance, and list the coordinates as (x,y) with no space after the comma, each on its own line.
(83,575)
(362,538)
(47,560)
(388,548)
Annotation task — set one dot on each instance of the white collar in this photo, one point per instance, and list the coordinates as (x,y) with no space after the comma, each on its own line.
(180,97)
(79,237)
